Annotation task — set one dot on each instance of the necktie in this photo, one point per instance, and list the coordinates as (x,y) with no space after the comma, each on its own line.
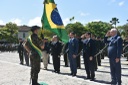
(86,41)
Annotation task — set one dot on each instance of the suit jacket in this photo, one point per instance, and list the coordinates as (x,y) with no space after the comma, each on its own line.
(73,47)
(56,48)
(115,47)
(89,48)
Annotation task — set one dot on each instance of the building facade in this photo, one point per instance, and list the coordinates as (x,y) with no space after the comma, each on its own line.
(24,32)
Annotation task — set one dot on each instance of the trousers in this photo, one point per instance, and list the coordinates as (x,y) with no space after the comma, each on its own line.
(45,58)
(35,66)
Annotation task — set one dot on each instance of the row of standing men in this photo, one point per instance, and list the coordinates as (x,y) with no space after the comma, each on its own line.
(56,48)
(72,49)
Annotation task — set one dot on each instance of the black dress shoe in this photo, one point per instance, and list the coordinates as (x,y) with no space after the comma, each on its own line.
(74,75)
(66,65)
(58,72)
(92,79)
(71,74)
(54,71)
(88,78)
(38,84)
(78,67)
(113,83)
(99,65)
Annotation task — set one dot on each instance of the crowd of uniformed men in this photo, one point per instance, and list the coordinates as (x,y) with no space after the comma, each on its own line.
(8,47)
(91,47)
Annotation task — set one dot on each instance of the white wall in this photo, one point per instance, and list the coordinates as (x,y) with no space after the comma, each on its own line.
(21,35)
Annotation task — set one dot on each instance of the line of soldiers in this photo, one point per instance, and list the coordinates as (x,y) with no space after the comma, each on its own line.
(7,47)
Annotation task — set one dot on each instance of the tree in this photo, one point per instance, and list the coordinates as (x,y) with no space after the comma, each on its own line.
(123,30)
(98,28)
(77,27)
(114,21)
(9,33)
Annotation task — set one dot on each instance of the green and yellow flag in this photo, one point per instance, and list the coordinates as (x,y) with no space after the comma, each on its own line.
(52,21)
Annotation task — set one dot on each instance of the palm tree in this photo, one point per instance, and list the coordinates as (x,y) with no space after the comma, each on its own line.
(114,21)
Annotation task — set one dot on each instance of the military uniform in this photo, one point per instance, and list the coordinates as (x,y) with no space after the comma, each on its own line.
(34,57)
(21,51)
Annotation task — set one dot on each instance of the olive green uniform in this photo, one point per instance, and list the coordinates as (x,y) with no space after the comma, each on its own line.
(34,56)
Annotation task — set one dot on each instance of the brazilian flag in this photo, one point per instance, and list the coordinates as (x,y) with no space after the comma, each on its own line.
(51,20)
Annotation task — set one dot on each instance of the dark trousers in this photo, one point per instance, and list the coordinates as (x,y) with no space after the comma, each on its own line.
(66,59)
(89,67)
(115,69)
(99,60)
(21,57)
(56,62)
(78,62)
(26,58)
(73,65)
(95,63)
(35,66)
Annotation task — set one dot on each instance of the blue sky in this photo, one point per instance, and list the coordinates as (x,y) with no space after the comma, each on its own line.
(29,12)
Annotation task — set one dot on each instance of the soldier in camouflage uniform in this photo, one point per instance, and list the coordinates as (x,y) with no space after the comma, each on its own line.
(34,56)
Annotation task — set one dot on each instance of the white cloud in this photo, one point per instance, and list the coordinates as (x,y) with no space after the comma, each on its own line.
(84,14)
(16,21)
(121,3)
(2,22)
(67,21)
(35,21)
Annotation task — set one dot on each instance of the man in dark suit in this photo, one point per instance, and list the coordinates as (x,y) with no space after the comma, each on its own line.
(72,53)
(99,47)
(93,37)
(88,55)
(55,52)
(114,53)
(20,51)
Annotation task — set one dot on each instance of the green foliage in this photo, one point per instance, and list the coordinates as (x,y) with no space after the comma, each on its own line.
(77,27)
(98,28)
(123,30)
(9,33)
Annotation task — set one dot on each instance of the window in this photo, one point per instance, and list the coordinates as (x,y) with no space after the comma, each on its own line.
(23,35)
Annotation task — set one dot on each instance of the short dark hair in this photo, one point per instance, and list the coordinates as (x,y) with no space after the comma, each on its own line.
(88,33)
(73,33)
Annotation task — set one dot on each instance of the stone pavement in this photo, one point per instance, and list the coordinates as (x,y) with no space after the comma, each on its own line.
(12,73)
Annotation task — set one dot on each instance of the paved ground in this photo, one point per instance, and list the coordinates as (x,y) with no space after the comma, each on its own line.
(12,73)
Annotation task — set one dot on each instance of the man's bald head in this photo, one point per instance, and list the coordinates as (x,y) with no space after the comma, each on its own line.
(113,32)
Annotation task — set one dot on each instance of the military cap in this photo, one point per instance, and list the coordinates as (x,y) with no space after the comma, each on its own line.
(33,28)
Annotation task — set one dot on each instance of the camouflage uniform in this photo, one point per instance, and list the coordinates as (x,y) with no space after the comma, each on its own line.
(34,56)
